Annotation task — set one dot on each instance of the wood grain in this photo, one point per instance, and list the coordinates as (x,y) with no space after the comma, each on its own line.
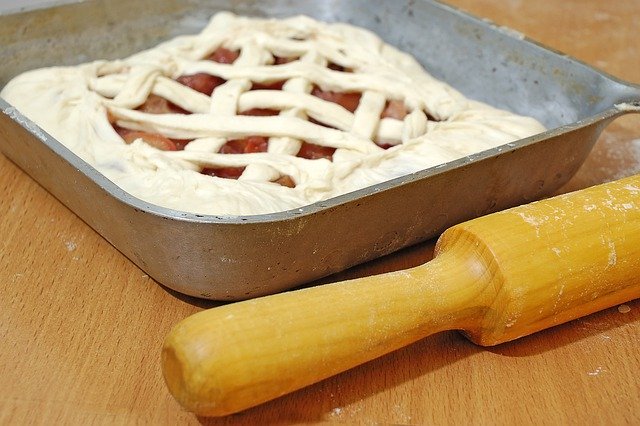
(496,278)
(81,327)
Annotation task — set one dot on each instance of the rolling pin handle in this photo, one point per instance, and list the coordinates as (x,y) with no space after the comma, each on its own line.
(230,358)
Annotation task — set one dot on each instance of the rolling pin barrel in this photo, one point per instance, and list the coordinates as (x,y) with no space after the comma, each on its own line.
(557,259)
(495,278)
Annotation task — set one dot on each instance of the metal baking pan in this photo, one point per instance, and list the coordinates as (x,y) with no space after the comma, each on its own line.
(231,258)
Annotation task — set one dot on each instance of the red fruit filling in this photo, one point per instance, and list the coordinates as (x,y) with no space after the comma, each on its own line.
(276,85)
(281,61)
(223,56)
(223,172)
(245,146)
(261,112)
(157,141)
(395,109)
(349,100)
(201,82)
(312,151)
(158,105)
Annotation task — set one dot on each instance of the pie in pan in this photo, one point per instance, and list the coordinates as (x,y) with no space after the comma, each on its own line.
(255,116)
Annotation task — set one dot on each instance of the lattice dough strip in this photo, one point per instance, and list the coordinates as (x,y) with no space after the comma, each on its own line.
(278,46)
(325,112)
(257,172)
(325,78)
(224,100)
(286,48)
(211,145)
(367,115)
(320,110)
(187,98)
(299,168)
(415,125)
(284,144)
(196,47)
(137,87)
(235,96)
(115,86)
(108,86)
(181,95)
(301,88)
(390,129)
(193,126)
(294,101)
(230,160)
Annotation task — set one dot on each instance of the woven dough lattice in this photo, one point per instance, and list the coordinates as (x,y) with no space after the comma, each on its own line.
(259,115)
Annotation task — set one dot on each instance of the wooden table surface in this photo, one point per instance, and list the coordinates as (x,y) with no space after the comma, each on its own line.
(81,327)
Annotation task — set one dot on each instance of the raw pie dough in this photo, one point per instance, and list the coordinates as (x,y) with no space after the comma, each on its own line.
(75,105)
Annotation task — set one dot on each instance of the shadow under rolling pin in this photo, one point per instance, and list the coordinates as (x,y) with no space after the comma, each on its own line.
(495,278)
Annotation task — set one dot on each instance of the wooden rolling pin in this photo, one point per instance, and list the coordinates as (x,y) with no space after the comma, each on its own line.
(496,278)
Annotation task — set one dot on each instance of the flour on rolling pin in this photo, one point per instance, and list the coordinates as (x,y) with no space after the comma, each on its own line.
(624,309)
(495,278)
